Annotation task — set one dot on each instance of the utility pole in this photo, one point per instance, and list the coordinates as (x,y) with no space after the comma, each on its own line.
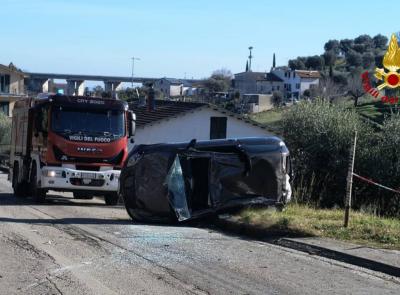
(133,67)
(350,182)
(250,57)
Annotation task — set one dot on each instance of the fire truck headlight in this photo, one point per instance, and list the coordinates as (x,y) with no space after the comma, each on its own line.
(52,173)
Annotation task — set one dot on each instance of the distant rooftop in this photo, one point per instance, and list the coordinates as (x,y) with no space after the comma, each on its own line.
(308,74)
(163,110)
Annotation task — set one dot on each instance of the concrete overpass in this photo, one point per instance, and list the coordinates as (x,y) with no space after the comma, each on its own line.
(39,82)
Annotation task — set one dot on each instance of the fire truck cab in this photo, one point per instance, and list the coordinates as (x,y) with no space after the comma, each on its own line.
(69,143)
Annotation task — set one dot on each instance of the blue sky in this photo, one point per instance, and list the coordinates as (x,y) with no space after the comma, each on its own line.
(175,37)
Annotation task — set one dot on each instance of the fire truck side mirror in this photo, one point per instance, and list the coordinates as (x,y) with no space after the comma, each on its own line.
(131,123)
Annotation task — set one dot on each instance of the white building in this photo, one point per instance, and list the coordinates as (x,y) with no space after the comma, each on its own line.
(171,87)
(296,81)
(257,83)
(11,87)
(172,121)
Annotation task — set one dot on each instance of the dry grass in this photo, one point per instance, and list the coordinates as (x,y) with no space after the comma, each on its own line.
(302,220)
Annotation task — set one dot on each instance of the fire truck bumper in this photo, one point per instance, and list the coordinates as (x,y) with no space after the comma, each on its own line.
(61,178)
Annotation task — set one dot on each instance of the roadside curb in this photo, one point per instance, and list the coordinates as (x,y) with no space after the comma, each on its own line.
(278,238)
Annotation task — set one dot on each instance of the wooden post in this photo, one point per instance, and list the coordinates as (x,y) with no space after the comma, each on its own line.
(350,182)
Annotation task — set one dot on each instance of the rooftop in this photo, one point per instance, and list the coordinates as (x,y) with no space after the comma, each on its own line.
(172,109)
(164,110)
(308,74)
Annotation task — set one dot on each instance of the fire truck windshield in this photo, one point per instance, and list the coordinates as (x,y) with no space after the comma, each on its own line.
(89,123)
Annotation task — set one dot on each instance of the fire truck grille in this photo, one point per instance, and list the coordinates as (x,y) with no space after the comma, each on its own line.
(91,182)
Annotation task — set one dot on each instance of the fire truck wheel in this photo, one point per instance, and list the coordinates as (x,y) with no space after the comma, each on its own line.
(111,199)
(19,188)
(39,195)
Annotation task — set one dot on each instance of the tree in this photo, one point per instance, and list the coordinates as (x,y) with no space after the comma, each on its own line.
(5,130)
(329,58)
(379,60)
(368,60)
(219,81)
(360,48)
(277,98)
(354,58)
(380,41)
(297,64)
(98,91)
(319,134)
(273,61)
(340,78)
(223,72)
(332,45)
(327,89)
(346,45)
(365,40)
(315,62)
(355,87)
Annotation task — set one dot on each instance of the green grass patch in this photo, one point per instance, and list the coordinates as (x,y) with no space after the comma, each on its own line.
(376,110)
(272,119)
(298,220)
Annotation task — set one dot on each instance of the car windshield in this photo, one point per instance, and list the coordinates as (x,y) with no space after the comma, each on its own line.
(93,122)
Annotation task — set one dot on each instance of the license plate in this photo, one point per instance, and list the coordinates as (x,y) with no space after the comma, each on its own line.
(88,175)
(86,181)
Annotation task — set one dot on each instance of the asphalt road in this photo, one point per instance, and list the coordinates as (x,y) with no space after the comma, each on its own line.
(68,246)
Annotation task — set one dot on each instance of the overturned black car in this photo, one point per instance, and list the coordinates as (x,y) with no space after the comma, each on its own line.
(181,181)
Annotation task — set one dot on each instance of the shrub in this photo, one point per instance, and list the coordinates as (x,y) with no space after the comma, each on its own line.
(319,136)
(380,161)
(5,129)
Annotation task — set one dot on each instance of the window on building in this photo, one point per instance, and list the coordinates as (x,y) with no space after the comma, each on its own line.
(277,87)
(218,127)
(4,108)
(5,83)
(289,74)
(297,85)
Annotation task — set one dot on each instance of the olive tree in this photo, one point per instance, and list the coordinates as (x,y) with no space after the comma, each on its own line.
(319,135)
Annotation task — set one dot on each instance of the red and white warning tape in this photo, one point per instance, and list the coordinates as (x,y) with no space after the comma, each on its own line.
(376,184)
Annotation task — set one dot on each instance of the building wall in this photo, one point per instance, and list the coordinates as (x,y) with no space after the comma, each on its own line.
(267,87)
(194,125)
(307,82)
(15,89)
(16,85)
(163,86)
(246,83)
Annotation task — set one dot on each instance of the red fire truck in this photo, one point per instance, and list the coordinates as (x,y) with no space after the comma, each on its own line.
(69,143)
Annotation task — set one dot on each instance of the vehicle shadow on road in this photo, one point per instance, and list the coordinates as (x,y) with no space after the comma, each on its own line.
(8,199)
